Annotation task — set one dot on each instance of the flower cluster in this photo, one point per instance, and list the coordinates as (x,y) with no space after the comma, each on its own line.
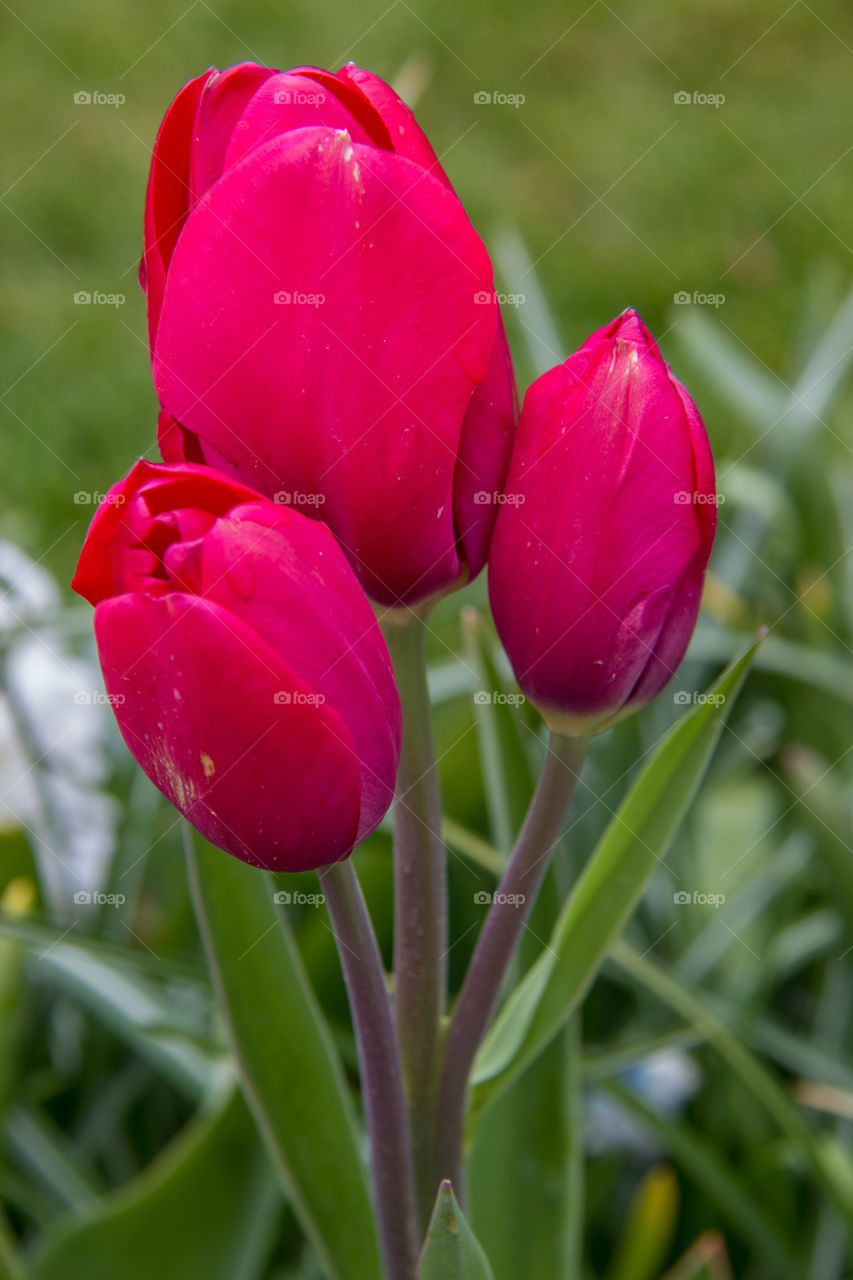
(337,399)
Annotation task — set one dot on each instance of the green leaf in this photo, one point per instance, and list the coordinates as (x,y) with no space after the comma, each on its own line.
(288,1064)
(472,847)
(11,1267)
(507,776)
(525,1166)
(830,1164)
(745,383)
(451,1250)
(647,1234)
(135,1007)
(719,1183)
(202,1208)
(607,892)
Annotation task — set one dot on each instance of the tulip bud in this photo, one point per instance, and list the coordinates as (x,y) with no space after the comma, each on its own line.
(323,321)
(244,664)
(601,544)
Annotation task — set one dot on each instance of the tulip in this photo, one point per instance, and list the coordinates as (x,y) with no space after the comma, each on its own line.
(323,322)
(604,533)
(244,664)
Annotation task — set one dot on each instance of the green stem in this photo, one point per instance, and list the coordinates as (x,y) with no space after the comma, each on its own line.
(496,945)
(420,901)
(382,1082)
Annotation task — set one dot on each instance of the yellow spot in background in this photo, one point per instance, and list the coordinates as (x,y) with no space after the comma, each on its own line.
(208,765)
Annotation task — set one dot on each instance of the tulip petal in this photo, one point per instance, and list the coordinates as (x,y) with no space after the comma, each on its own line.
(297,592)
(359,398)
(286,101)
(161,489)
(405,135)
(194,691)
(167,199)
(588,565)
(222,105)
(484,452)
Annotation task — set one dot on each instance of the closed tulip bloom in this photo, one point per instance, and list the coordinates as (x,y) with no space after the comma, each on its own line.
(601,544)
(323,321)
(244,665)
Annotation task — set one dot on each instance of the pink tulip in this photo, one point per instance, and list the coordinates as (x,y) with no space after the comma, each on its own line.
(606,527)
(323,321)
(244,664)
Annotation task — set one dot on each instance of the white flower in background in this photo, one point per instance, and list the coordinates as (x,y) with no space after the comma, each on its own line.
(54,739)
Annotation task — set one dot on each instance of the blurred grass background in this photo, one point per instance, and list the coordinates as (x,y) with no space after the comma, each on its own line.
(621,197)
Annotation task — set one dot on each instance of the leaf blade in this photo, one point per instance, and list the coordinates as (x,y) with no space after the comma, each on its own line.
(607,892)
(288,1065)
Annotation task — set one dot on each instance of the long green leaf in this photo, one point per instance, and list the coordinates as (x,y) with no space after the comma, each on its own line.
(125,999)
(831,1165)
(203,1208)
(289,1068)
(609,889)
(451,1250)
(717,1181)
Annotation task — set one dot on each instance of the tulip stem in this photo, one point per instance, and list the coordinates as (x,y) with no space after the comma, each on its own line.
(381,1074)
(496,946)
(420,901)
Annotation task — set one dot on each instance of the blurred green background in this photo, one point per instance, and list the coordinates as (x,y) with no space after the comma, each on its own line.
(598,191)
(623,196)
